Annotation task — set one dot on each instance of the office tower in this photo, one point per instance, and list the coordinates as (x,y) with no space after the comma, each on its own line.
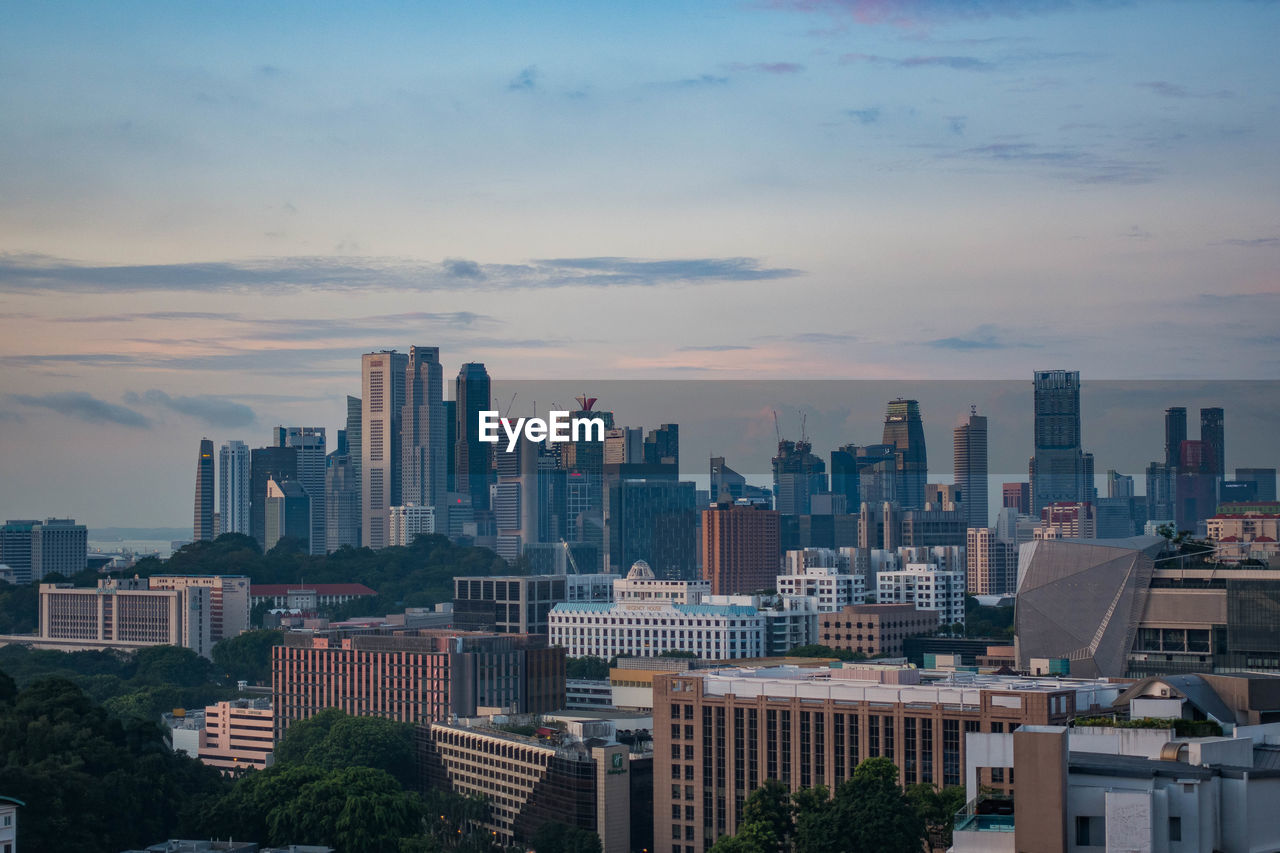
(1263,479)
(266,464)
(411,521)
(310,444)
(650,517)
(341,502)
(340,445)
(845,475)
(905,431)
(515,502)
(472,395)
(624,445)
(1175,432)
(584,482)
(423,431)
(662,446)
(1068,520)
(58,545)
(15,547)
(1161,487)
(287,513)
(878,478)
(450,443)
(1211,434)
(969,444)
(1058,465)
(797,475)
(1196,490)
(1017,496)
(382,382)
(202,526)
(741,549)
(1119,485)
(233,487)
(355,419)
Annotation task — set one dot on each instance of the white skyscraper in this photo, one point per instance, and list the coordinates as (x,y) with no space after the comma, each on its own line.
(233,488)
(382,386)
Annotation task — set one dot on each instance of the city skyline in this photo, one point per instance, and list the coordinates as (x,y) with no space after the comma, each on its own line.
(986,188)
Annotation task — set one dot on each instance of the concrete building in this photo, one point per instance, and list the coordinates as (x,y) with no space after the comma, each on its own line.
(341,502)
(650,515)
(233,736)
(927,587)
(969,457)
(125,614)
(992,563)
(1068,520)
(202,526)
(229,605)
(1245,532)
(424,433)
(593,783)
(382,381)
(15,547)
(825,575)
(719,734)
(1058,467)
(58,545)
(521,604)
(874,629)
(1263,480)
(647,627)
(413,677)
(1126,608)
(326,594)
(234,488)
(740,547)
(409,522)
(9,823)
(287,514)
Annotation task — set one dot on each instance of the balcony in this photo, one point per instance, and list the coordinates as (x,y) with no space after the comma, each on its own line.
(984,825)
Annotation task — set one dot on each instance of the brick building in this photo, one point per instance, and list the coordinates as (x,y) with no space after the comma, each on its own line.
(740,548)
(874,629)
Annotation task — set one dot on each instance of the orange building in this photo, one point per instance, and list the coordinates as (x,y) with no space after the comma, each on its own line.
(740,548)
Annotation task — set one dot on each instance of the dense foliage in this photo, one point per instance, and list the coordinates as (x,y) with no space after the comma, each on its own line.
(92,782)
(868,813)
(816,650)
(587,667)
(990,622)
(556,837)
(1181,727)
(246,657)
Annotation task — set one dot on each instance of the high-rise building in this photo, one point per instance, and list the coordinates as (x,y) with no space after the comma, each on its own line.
(423,432)
(15,547)
(650,516)
(1161,485)
(1017,496)
(624,445)
(234,487)
(287,513)
(904,429)
(58,545)
(1212,435)
(845,475)
(310,444)
(266,464)
(1175,432)
(992,563)
(662,446)
(382,385)
(1196,491)
(355,445)
(1058,467)
(741,551)
(202,527)
(472,395)
(1263,479)
(228,602)
(969,443)
(411,521)
(798,474)
(126,613)
(1068,520)
(341,502)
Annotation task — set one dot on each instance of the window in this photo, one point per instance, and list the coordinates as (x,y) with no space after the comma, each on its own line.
(1175,829)
(1091,831)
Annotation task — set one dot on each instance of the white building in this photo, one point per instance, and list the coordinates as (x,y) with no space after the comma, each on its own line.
(927,587)
(643,623)
(410,521)
(823,574)
(125,614)
(9,823)
(234,487)
(229,600)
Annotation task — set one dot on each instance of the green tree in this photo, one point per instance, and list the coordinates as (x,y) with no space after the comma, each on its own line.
(246,657)
(937,808)
(769,807)
(589,667)
(817,829)
(874,814)
(333,739)
(814,650)
(556,837)
(172,666)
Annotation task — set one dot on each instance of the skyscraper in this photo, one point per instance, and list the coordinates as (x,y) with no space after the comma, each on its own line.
(471,393)
(798,474)
(233,487)
(267,463)
(662,446)
(382,380)
(740,548)
(202,526)
(422,430)
(969,445)
(650,515)
(1175,432)
(354,449)
(1058,466)
(287,513)
(904,429)
(341,502)
(1212,435)
(310,444)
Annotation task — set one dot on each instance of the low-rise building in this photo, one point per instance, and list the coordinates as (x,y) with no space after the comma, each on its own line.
(926,587)
(874,629)
(9,823)
(520,604)
(325,594)
(126,614)
(1245,532)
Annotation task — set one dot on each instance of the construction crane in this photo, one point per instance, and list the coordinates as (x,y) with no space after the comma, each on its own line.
(568,552)
(507,411)
(776,428)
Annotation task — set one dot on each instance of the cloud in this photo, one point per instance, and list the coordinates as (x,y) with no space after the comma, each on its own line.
(1070,164)
(459,268)
(822,338)
(38,273)
(768,67)
(915,14)
(1252,243)
(701,81)
(525,81)
(1165,89)
(215,411)
(83,407)
(956,63)
(1137,232)
(715,348)
(984,337)
(957,124)
(870,115)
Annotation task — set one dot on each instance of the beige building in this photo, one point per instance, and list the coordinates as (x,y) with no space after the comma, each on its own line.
(125,614)
(238,735)
(1248,535)
(228,602)
(530,781)
(874,629)
(382,382)
(992,563)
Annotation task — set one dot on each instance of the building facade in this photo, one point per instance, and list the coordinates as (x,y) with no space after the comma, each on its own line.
(409,522)
(521,604)
(234,488)
(202,525)
(874,629)
(992,563)
(382,395)
(740,547)
(238,735)
(969,456)
(927,587)
(1058,467)
(229,605)
(125,614)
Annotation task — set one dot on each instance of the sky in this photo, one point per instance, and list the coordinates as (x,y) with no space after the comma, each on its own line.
(208,211)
